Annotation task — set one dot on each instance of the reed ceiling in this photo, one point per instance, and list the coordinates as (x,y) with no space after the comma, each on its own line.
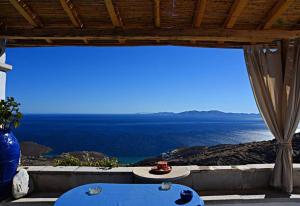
(206,23)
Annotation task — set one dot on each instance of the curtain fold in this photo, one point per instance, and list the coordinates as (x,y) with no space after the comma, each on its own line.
(274,75)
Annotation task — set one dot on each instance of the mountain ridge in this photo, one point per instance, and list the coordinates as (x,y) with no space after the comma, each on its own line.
(209,113)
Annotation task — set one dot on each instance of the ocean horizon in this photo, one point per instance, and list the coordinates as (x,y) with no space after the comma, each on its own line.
(133,137)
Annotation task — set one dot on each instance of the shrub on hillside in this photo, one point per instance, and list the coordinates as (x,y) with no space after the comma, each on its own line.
(69,160)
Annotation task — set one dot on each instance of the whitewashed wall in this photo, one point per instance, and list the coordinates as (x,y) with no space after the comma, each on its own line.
(4,68)
(2,84)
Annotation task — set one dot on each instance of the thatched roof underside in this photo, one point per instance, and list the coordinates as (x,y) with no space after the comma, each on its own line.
(207,23)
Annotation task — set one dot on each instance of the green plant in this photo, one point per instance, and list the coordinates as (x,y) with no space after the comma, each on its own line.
(10,115)
(69,160)
(108,162)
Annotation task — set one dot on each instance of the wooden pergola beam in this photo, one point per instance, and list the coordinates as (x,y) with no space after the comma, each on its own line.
(235,11)
(85,41)
(24,9)
(279,7)
(113,13)
(49,41)
(199,13)
(122,41)
(12,41)
(72,13)
(209,35)
(2,24)
(156,11)
(12,44)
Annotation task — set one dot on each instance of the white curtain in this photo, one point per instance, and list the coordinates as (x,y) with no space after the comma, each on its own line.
(274,74)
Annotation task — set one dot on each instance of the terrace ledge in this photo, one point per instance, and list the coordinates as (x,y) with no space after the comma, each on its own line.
(193,168)
(217,185)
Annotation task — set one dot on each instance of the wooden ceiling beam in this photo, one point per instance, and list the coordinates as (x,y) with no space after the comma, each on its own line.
(113,13)
(218,35)
(235,11)
(11,41)
(279,7)
(72,13)
(156,11)
(24,9)
(199,13)
(49,41)
(85,41)
(2,24)
(198,44)
(122,41)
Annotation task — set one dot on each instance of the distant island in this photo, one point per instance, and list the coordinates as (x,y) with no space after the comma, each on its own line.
(190,113)
(205,114)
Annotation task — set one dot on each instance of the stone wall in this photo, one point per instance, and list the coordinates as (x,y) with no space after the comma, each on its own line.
(50,182)
(202,178)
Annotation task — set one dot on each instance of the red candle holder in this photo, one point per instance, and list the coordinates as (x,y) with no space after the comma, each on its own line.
(162,167)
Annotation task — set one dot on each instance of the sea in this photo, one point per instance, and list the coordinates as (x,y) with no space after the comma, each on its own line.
(134,137)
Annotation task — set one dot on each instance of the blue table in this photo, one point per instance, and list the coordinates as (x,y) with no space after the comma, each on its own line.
(127,195)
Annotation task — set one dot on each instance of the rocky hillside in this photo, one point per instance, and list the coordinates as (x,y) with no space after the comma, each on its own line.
(33,149)
(248,153)
(35,154)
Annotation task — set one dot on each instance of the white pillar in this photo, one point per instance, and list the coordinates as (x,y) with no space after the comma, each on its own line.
(4,68)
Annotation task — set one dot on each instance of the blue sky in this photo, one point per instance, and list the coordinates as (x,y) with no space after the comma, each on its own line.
(128,79)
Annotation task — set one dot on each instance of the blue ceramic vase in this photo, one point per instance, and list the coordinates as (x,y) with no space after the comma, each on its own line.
(9,161)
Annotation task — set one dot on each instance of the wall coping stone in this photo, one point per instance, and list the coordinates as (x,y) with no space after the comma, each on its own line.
(193,168)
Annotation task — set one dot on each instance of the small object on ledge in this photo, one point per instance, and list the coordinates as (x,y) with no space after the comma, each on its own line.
(145,174)
(94,191)
(20,185)
(161,168)
(165,186)
(186,195)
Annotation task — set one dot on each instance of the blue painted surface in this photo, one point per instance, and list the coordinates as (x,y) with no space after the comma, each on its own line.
(127,195)
(9,161)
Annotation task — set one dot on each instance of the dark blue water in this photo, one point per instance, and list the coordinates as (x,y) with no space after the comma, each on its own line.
(133,137)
